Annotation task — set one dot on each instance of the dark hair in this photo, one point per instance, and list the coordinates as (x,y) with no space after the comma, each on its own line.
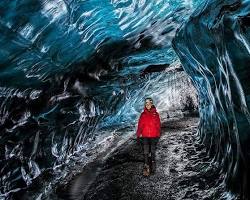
(150,99)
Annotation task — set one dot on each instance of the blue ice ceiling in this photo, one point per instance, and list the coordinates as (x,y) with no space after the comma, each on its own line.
(50,36)
(69,68)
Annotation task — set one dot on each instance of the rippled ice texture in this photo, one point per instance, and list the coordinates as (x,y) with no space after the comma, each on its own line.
(214,49)
(69,68)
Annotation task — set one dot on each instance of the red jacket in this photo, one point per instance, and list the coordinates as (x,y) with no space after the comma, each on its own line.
(149,124)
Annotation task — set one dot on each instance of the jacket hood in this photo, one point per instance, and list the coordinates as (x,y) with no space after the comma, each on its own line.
(152,109)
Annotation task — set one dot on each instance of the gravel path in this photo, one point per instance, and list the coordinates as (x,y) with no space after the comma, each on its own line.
(183,170)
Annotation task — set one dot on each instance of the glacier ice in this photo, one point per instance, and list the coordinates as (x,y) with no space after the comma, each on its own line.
(213,47)
(72,72)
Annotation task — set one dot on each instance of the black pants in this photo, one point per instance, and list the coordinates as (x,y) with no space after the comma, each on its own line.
(149,146)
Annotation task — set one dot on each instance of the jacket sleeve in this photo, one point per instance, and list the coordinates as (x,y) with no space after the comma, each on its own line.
(139,127)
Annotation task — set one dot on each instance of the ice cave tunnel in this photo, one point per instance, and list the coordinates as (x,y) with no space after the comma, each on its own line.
(73,78)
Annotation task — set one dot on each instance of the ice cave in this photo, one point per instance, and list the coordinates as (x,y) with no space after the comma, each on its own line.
(74,75)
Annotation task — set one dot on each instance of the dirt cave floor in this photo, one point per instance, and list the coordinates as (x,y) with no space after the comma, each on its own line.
(183,170)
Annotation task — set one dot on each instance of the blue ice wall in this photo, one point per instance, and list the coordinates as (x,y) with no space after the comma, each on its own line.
(213,47)
(65,66)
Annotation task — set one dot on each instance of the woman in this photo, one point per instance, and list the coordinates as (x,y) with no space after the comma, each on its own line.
(149,128)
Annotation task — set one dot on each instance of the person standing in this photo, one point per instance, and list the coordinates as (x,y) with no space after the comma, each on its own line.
(149,130)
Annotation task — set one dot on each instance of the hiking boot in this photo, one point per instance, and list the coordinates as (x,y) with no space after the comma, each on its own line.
(146,170)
